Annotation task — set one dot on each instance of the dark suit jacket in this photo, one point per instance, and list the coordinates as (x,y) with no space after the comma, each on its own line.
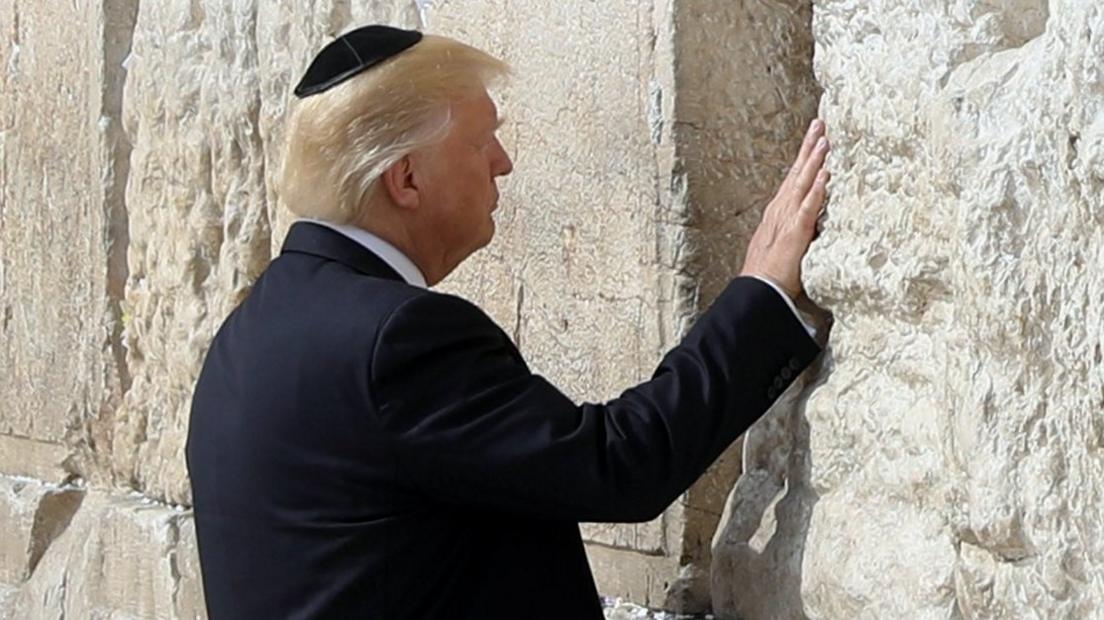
(362,448)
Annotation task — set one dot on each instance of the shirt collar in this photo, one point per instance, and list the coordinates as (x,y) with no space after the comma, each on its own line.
(388,253)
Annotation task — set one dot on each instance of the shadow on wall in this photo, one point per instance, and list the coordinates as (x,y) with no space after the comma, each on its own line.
(760,541)
(746,94)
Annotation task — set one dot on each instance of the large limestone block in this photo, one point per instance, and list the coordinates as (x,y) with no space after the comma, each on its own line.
(199,231)
(62,230)
(948,462)
(572,272)
(41,460)
(121,557)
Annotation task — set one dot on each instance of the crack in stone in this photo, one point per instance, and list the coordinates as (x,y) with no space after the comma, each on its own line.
(120,20)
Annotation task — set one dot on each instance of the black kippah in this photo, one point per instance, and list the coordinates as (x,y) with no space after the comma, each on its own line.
(352,53)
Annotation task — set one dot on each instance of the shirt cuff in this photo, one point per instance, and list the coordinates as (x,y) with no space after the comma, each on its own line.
(806,320)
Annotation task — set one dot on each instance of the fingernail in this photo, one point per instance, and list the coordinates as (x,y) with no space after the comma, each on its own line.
(816,124)
(822,143)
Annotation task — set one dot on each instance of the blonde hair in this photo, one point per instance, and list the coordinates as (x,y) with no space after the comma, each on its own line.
(340,141)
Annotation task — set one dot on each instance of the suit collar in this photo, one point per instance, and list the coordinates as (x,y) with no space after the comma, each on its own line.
(318,240)
(382,248)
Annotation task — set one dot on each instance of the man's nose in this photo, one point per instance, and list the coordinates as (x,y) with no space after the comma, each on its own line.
(503,164)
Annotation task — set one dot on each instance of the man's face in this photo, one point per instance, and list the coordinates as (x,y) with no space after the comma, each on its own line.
(456,179)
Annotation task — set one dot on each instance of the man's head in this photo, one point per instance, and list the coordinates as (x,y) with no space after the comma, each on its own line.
(406,149)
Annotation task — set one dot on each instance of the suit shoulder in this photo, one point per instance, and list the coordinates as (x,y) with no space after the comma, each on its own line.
(386,293)
(441,310)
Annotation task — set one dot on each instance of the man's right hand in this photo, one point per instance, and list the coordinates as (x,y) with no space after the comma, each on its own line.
(789,221)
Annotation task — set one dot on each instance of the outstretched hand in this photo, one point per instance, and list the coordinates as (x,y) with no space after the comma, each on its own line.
(789,221)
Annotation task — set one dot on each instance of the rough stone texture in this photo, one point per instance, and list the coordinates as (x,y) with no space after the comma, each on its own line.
(28,458)
(199,231)
(60,357)
(120,557)
(947,462)
(32,515)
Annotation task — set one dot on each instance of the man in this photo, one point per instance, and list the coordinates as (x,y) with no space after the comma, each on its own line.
(363,447)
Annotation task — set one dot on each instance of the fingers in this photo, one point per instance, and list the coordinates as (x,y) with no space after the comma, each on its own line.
(816,130)
(814,200)
(813,165)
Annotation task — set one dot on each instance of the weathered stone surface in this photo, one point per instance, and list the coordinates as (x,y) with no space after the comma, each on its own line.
(60,357)
(948,465)
(32,515)
(28,458)
(199,229)
(7,596)
(757,547)
(121,557)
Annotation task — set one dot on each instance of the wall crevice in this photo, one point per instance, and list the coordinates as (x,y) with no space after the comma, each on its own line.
(120,19)
(745,94)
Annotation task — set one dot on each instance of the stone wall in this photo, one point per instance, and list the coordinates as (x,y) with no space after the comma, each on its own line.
(941,461)
(946,461)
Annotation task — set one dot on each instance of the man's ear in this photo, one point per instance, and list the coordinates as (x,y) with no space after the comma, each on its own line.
(400,184)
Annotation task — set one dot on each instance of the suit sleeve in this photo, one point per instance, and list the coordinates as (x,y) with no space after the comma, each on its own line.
(471,425)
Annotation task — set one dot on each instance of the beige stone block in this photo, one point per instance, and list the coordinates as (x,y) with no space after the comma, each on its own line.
(59,357)
(7,596)
(40,460)
(188,600)
(745,96)
(32,516)
(121,557)
(199,230)
(642,579)
(573,271)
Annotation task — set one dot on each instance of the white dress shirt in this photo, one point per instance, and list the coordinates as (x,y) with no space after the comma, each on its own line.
(406,268)
(391,255)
